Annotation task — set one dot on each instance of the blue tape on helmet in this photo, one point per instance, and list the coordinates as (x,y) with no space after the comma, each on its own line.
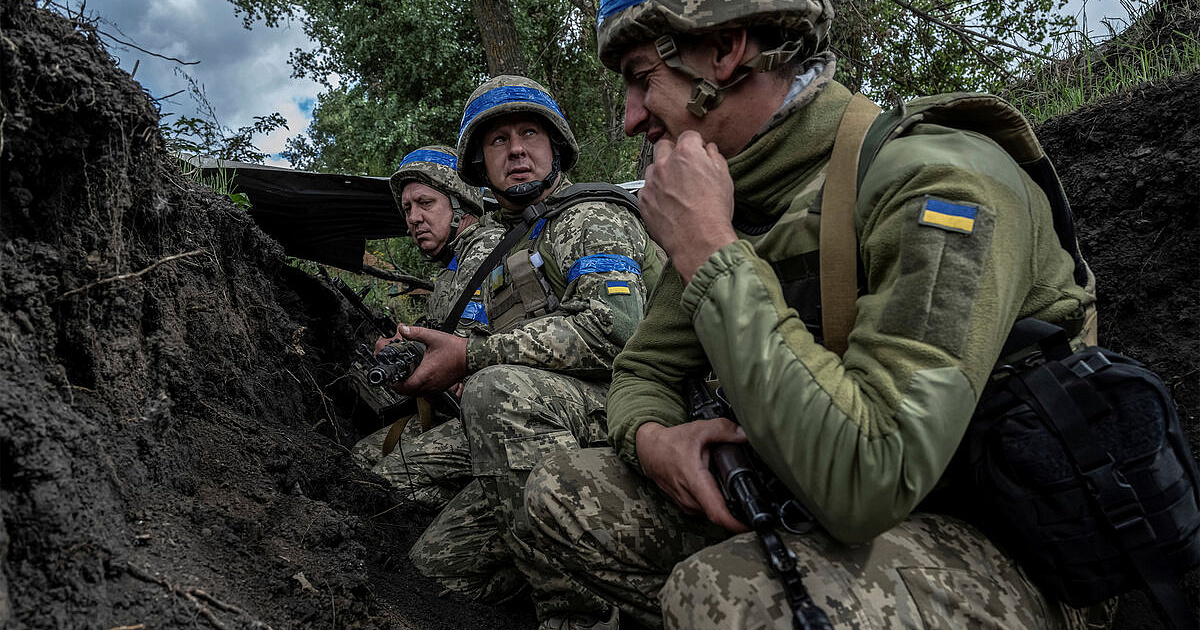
(475,311)
(600,263)
(429,155)
(609,7)
(506,94)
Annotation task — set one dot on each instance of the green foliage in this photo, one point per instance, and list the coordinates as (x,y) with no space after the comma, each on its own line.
(899,50)
(221,182)
(1162,42)
(405,68)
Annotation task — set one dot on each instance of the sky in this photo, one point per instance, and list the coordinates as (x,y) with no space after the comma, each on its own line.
(245,73)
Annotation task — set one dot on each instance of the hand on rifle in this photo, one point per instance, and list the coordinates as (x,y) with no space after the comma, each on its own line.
(676,458)
(444,365)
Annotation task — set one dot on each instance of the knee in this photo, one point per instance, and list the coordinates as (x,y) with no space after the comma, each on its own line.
(553,485)
(482,389)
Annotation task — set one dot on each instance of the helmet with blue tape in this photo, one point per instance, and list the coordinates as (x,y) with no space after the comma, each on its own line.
(622,24)
(501,96)
(435,166)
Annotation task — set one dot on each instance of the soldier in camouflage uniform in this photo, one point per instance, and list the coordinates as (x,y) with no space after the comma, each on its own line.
(740,102)
(443,215)
(563,301)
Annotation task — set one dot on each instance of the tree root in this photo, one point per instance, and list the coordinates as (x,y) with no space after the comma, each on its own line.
(130,276)
(197,596)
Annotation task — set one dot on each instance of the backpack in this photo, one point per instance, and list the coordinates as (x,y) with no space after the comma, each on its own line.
(1075,462)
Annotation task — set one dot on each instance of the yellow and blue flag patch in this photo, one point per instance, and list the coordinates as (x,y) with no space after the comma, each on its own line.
(953,217)
(617,287)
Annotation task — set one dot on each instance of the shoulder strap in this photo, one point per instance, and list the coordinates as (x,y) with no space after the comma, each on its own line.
(596,191)
(838,243)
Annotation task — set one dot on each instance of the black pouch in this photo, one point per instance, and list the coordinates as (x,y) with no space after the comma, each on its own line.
(1076,463)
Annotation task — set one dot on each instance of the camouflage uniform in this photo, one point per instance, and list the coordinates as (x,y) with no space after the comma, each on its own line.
(431,467)
(859,439)
(538,385)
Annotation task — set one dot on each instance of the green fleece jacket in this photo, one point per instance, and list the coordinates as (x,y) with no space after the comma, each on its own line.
(860,439)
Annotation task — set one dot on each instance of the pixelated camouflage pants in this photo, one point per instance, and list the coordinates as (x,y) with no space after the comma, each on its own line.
(513,416)
(428,468)
(463,550)
(615,532)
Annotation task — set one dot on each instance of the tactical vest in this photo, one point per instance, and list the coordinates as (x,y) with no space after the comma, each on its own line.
(519,286)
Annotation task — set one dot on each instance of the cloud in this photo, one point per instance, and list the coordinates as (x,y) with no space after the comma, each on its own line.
(244,73)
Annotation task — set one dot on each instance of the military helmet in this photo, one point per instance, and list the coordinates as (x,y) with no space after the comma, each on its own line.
(621,24)
(502,95)
(435,166)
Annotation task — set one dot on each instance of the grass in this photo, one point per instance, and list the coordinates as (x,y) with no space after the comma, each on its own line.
(1089,72)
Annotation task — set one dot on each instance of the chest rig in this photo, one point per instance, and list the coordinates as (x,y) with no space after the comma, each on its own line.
(527,283)
(519,287)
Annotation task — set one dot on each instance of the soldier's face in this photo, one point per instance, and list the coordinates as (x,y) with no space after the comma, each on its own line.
(516,150)
(428,214)
(655,96)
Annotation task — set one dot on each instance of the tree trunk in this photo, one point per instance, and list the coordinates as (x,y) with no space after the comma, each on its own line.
(499,35)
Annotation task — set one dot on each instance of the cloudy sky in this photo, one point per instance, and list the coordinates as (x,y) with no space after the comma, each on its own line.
(245,73)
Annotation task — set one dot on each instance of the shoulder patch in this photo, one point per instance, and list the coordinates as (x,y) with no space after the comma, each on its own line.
(617,287)
(953,217)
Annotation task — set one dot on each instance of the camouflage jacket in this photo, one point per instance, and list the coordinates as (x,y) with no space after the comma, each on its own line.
(860,439)
(472,246)
(598,306)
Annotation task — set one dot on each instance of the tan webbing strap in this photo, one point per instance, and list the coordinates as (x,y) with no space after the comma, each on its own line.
(425,413)
(393,435)
(839,245)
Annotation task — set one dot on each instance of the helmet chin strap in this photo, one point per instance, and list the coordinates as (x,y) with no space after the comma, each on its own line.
(527,193)
(706,95)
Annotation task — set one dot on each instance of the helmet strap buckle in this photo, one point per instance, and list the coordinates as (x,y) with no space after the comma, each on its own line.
(769,60)
(705,96)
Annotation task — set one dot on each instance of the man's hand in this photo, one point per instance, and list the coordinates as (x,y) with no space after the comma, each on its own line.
(445,361)
(687,201)
(676,458)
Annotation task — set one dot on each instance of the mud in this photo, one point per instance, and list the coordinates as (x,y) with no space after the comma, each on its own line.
(173,430)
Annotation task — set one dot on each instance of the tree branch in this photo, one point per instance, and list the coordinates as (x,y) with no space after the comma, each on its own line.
(413,282)
(965,32)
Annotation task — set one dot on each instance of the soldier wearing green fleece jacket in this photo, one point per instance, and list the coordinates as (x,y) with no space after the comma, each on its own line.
(955,243)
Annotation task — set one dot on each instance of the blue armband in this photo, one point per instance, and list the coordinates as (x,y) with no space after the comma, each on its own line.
(600,263)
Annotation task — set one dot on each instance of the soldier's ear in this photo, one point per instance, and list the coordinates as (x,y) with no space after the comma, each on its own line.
(727,52)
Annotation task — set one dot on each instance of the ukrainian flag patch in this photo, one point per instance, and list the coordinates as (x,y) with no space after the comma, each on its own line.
(617,287)
(953,217)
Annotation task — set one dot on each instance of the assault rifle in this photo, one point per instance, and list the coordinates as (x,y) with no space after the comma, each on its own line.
(749,500)
(395,361)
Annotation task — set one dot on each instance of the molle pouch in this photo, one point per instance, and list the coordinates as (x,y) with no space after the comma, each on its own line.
(1077,464)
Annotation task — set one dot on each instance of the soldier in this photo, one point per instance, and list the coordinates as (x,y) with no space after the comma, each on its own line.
(563,300)
(740,103)
(442,214)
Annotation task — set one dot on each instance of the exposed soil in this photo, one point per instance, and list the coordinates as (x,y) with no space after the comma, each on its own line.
(173,432)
